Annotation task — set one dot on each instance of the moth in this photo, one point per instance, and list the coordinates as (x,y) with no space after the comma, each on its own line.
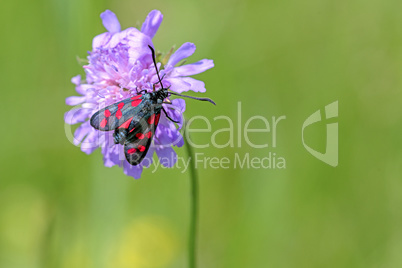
(134,120)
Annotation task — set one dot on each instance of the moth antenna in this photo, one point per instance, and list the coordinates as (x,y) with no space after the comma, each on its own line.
(195,98)
(156,68)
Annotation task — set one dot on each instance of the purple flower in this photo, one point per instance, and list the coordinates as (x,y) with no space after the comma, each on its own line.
(119,66)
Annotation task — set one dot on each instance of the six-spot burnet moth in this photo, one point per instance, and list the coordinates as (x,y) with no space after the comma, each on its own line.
(134,120)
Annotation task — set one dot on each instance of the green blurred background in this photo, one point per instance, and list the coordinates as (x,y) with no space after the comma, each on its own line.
(62,208)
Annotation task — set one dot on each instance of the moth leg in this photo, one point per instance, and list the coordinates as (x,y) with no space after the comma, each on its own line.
(141,91)
(168,117)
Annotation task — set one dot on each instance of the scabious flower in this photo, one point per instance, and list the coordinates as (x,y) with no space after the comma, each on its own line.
(119,66)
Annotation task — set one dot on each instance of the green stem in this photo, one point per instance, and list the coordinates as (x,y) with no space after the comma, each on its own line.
(192,247)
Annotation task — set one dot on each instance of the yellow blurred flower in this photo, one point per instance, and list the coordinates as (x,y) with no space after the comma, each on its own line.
(146,242)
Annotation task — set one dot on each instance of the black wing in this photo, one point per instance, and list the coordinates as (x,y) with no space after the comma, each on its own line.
(139,141)
(117,114)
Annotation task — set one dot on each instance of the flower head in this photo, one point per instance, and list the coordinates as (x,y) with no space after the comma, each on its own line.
(119,66)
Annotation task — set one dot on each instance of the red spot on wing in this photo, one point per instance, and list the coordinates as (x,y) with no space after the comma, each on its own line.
(149,135)
(126,124)
(136,97)
(131,151)
(151,119)
(141,148)
(120,105)
(140,136)
(103,123)
(157,119)
(107,113)
(135,103)
(119,114)
(132,129)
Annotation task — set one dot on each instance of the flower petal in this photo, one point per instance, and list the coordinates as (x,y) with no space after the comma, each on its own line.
(112,153)
(193,68)
(110,21)
(133,171)
(196,85)
(167,156)
(178,84)
(76,80)
(175,110)
(82,89)
(162,135)
(183,84)
(180,104)
(180,140)
(101,40)
(138,47)
(75,100)
(81,132)
(147,161)
(90,143)
(75,116)
(122,37)
(152,23)
(167,135)
(186,50)
(111,158)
